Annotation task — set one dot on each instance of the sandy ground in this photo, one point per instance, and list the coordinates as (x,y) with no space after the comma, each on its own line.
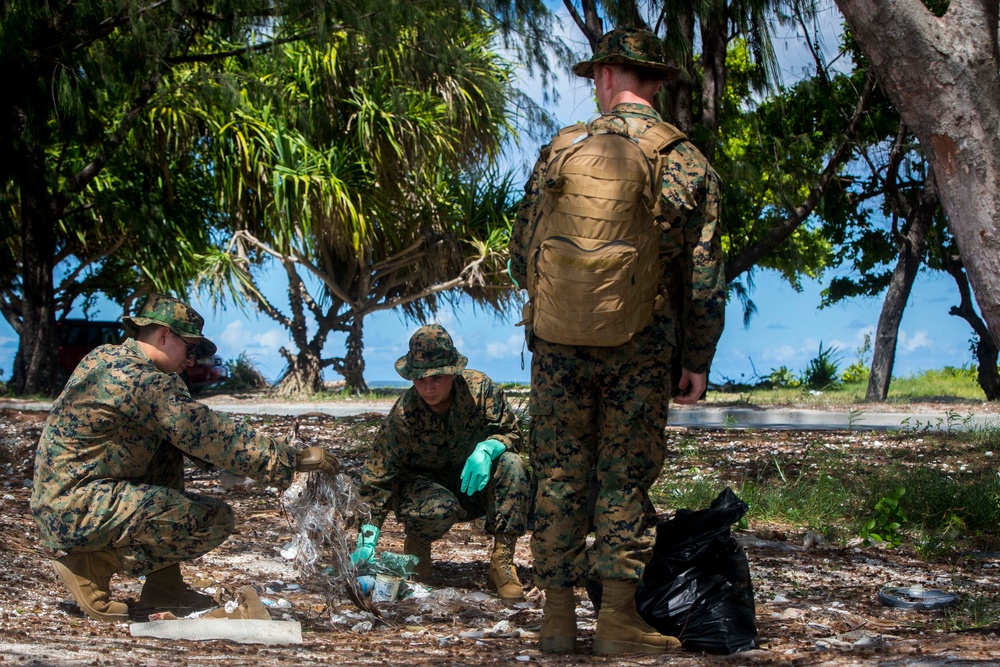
(815,601)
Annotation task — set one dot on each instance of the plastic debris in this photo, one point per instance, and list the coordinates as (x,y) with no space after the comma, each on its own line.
(418,591)
(386,588)
(322,508)
(241,631)
(916,597)
(363,626)
(366,583)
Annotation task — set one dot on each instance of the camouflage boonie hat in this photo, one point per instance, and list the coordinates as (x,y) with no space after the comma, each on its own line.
(640,49)
(181,318)
(432,352)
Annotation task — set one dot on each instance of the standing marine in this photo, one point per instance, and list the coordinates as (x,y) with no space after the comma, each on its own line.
(614,210)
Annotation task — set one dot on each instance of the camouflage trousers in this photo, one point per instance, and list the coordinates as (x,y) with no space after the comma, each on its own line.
(429,504)
(170,525)
(597,415)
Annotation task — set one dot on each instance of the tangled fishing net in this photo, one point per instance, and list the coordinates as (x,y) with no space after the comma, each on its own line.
(324,511)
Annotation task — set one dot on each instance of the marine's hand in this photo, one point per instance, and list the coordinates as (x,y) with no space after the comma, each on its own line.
(476,473)
(367,540)
(316,458)
(693,385)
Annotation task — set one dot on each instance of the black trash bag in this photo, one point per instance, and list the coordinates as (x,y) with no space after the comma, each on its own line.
(697,586)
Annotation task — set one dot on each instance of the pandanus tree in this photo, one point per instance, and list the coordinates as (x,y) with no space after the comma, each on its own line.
(361,175)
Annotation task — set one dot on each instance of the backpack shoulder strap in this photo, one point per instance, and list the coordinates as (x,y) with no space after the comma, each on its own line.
(567,137)
(658,138)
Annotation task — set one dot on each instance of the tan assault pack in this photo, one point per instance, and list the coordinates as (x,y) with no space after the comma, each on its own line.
(593,264)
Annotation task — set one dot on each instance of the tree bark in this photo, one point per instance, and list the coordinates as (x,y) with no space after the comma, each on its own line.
(887,333)
(678,104)
(714,40)
(941,74)
(36,365)
(986,351)
(304,375)
(354,361)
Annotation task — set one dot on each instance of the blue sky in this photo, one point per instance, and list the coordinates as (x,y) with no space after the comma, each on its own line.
(787,330)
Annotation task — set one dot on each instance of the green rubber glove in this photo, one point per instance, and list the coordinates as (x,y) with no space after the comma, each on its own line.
(476,472)
(367,539)
(516,286)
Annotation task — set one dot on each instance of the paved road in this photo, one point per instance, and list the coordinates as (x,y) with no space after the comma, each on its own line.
(858,420)
(701,416)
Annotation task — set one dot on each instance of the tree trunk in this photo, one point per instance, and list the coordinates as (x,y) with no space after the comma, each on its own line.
(304,375)
(986,351)
(36,367)
(886,335)
(941,74)
(714,40)
(988,376)
(354,360)
(680,89)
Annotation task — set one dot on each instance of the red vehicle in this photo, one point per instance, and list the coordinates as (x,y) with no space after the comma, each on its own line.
(206,372)
(78,337)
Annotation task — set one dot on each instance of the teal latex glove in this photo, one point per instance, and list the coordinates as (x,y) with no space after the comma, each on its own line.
(516,286)
(476,472)
(367,539)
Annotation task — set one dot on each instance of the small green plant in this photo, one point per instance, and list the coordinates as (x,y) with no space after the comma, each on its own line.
(853,417)
(782,377)
(957,421)
(885,525)
(859,371)
(823,370)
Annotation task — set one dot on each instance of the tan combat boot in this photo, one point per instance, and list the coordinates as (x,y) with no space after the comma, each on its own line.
(503,575)
(558,631)
(422,550)
(620,629)
(165,590)
(88,575)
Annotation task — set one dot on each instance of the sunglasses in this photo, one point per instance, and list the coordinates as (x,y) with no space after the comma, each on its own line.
(192,348)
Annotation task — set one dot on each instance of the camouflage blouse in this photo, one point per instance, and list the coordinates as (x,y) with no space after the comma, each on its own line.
(103,431)
(690,240)
(413,439)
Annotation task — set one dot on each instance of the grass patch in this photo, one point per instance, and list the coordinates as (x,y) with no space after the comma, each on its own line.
(972,612)
(945,509)
(939,499)
(954,385)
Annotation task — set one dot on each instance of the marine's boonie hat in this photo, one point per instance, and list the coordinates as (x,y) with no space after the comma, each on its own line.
(432,352)
(179,317)
(640,49)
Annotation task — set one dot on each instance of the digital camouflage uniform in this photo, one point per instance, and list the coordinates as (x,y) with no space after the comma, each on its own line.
(109,465)
(605,408)
(415,465)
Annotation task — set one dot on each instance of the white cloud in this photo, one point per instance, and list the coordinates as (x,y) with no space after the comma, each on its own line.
(258,341)
(272,339)
(917,341)
(782,354)
(508,349)
(237,336)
